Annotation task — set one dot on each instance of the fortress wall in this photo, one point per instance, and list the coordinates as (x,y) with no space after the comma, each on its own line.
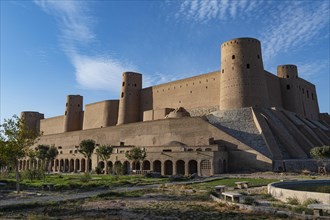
(309,100)
(298,95)
(190,131)
(274,90)
(101,114)
(52,125)
(199,92)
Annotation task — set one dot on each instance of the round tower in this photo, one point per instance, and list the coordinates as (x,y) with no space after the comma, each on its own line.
(73,115)
(129,103)
(288,71)
(242,80)
(291,97)
(32,120)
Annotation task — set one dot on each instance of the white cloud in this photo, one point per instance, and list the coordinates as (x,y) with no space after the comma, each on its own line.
(205,10)
(100,73)
(286,25)
(310,71)
(295,25)
(75,24)
(72,18)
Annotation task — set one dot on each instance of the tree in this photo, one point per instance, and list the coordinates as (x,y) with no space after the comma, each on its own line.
(322,154)
(41,152)
(46,154)
(104,152)
(51,155)
(32,155)
(15,138)
(136,155)
(87,148)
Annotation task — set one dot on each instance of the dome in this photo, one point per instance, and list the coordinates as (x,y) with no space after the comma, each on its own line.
(178,113)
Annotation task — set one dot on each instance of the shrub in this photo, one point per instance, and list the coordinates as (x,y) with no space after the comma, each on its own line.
(98,170)
(310,201)
(320,152)
(118,169)
(33,174)
(292,201)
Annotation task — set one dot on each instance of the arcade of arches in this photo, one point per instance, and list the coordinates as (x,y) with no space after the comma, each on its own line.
(167,167)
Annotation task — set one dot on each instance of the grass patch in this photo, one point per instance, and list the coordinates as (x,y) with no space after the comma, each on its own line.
(81,181)
(230,182)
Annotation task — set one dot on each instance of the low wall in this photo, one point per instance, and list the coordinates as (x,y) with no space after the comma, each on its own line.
(278,191)
(298,165)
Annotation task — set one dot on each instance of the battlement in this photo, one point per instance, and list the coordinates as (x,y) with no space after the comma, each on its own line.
(244,40)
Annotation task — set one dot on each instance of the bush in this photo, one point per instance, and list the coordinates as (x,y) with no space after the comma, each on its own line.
(310,201)
(33,174)
(292,201)
(320,152)
(118,169)
(98,170)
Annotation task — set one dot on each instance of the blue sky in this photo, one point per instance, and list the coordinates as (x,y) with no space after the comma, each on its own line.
(50,49)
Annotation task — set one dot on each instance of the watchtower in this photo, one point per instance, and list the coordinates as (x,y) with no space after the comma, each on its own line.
(242,79)
(73,116)
(129,103)
(291,97)
(288,71)
(32,120)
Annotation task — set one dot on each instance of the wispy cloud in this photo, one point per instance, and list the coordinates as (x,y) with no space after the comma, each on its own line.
(99,72)
(76,33)
(205,10)
(285,24)
(310,71)
(295,25)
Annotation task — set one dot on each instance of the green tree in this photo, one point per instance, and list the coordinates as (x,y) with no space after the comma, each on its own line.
(323,155)
(136,155)
(51,155)
(32,154)
(41,152)
(87,148)
(320,153)
(104,152)
(15,138)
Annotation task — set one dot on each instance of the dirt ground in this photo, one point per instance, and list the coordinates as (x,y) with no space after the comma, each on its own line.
(149,203)
(161,205)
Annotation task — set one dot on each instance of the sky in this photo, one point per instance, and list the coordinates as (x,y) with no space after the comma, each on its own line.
(50,49)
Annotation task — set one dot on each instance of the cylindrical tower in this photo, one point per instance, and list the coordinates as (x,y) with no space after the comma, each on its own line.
(288,71)
(242,80)
(291,97)
(129,103)
(73,115)
(32,120)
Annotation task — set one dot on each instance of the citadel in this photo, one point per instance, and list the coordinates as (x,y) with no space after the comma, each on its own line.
(239,118)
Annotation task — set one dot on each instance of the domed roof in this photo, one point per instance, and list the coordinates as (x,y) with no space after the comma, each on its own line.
(178,113)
